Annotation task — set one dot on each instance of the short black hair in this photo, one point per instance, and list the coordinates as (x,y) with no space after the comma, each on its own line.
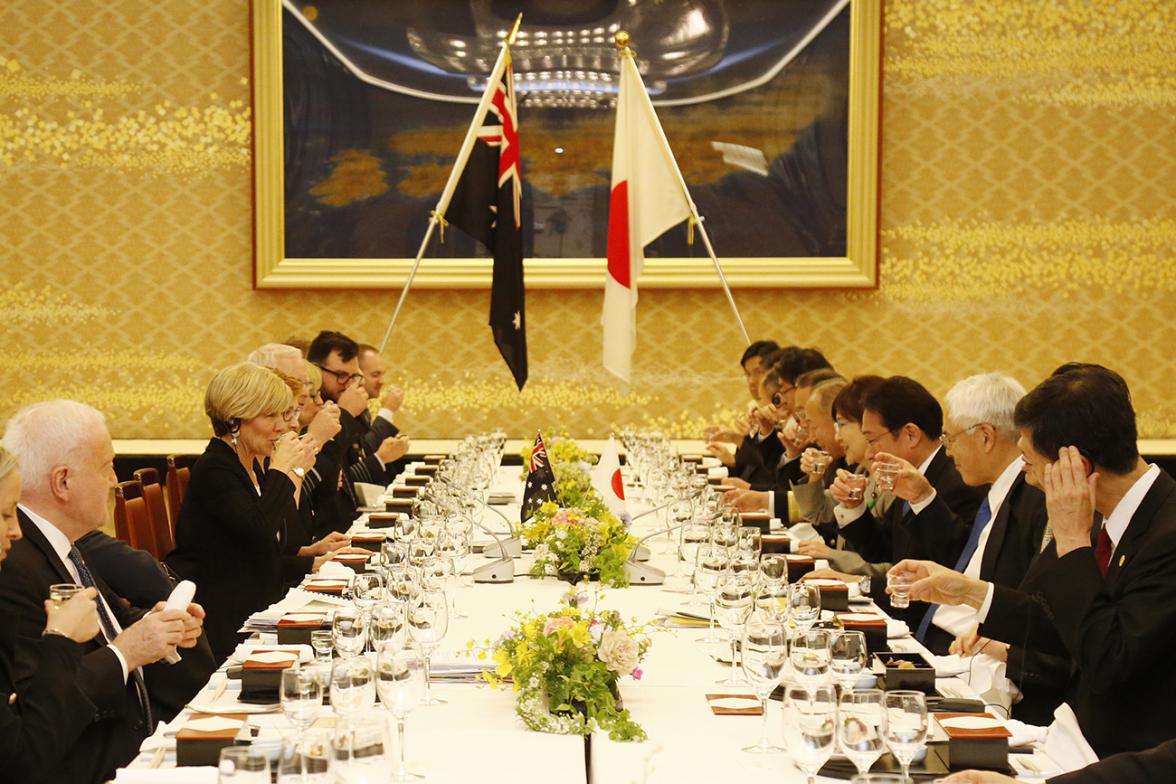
(850,401)
(326,342)
(1083,405)
(761,348)
(899,400)
(810,378)
(792,361)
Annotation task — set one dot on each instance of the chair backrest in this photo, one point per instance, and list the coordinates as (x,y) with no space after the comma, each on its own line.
(178,473)
(153,495)
(132,518)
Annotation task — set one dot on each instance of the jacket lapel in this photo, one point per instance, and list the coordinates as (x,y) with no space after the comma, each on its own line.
(1000,527)
(32,534)
(1159,494)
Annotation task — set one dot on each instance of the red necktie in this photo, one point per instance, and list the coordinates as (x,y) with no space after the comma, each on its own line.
(1102,550)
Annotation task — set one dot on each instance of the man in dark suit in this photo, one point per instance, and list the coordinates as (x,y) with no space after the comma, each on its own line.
(391,398)
(67,467)
(1112,606)
(902,424)
(1133,767)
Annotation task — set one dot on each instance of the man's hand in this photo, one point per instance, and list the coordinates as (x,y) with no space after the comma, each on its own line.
(325,424)
(329,543)
(392,398)
(720,434)
(978,777)
(76,618)
(971,643)
(354,399)
(910,484)
(843,489)
(832,574)
(814,548)
(762,419)
(1069,500)
(748,500)
(932,582)
(152,637)
(737,483)
(721,452)
(193,623)
(392,449)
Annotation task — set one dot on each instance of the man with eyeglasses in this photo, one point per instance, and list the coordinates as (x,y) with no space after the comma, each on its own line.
(337,356)
(902,423)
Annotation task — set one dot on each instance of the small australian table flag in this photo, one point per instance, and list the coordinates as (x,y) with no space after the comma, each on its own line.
(540,486)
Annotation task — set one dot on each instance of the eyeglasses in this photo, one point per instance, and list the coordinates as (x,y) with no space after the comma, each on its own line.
(342,376)
(291,414)
(778,397)
(948,440)
(874,441)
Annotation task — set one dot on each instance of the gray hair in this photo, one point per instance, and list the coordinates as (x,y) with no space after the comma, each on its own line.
(47,434)
(987,397)
(271,354)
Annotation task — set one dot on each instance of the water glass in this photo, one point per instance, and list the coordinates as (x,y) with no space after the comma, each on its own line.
(400,681)
(428,620)
(60,593)
(353,685)
(804,605)
(349,631)
(906,725)
(765,651)
(734,601)
(847,657)
(861,727)
(301,696)
(323,643)
(712,562)
(305,758)
(810,719)
(773,572)
(359,751)
(900,591)
(388,624)
(243,765)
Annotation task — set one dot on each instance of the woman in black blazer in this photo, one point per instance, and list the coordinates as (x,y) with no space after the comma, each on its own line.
(40,722)
(232,525)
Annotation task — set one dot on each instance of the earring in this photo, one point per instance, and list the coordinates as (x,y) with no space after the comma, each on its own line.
(233,436)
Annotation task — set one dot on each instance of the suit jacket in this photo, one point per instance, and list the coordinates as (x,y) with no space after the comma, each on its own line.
(899,533)
(50,713)
(756,458)
(375,430)
(117,725)
(230,539)
(1118,629)
(1144,767)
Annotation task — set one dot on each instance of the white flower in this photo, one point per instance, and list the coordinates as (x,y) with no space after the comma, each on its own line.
(619,651)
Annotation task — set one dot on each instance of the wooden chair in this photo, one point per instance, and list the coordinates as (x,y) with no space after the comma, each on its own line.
(178,473)
(165,539)
(132,518)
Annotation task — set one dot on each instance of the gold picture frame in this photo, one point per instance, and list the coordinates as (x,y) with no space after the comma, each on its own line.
(857,269)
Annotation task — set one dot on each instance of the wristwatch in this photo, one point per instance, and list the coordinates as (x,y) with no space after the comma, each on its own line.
(300,471)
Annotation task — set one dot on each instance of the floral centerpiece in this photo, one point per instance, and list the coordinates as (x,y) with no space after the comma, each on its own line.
(565,454)
(578,541)
(565,666)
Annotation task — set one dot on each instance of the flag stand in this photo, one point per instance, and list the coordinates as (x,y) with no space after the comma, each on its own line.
(463,155)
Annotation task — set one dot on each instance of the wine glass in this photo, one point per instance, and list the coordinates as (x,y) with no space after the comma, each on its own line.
(906,725)
(810,718)
(847,657)
(358,751)
(428,621)
(734,599)
(773,573)
(400,681)
(692,537)
(402,580)
(712,562)
(809,656)
(352,685)
(243,765)
(305,759)
(349,631)
(861,727)
(387,626)
(765,650)
(804,604)
(301,697)
(366,590)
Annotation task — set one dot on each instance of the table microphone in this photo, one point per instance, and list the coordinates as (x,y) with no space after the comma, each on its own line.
(644,574)
(181,597)
(501,570)
(508,548)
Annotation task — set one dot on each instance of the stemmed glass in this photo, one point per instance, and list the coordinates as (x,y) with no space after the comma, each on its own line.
(906,726)
(861,726)
(428,620)
(401,683)
(804,604)
(765,650)
(349,631)
(388,623)
(366,590)
(305,759)
(358,751)
(773,573)
(712,562)
(692,537)
(810,718)
(301,698)
(847,657)
(734,600)
(352,685)
(810,657)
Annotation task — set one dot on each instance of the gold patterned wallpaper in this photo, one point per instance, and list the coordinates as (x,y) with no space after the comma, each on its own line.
(1028,218)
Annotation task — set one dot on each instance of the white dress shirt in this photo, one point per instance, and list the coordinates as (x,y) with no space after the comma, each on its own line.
(61,546)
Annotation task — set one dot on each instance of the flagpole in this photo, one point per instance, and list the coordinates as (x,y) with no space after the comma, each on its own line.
(463,156)
(627,53)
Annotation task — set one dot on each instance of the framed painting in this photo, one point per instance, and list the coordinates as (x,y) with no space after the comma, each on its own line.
(771,108)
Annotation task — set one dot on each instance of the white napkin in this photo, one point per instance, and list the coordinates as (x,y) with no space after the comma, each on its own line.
(735,703)
(334,569)
(245,650)
(718,472)
(970,723)
(1064,742)
(214,724)
(302,617)
(369,494)
(192,775)
(273,657)
(803,532)
(859,617)
(896,628)
(710,461)
(331,583)
(951,665)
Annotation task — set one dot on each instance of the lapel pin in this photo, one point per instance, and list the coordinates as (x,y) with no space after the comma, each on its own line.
(1122,558)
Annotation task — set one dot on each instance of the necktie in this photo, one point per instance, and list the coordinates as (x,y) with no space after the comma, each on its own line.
(1103,549)
(108,630)
(983,515)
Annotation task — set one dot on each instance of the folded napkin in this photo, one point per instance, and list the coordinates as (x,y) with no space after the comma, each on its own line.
(803,532)
(718,472)
(369,494)
(710,461)
(244,650)
(333,569)
(950,666)
(214,724)
(1064,742)
(734,704)
(191,775)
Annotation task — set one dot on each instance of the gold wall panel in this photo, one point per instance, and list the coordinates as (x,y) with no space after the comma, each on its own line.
(1028,218)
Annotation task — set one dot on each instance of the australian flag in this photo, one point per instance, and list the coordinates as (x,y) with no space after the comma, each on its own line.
(540,480)
(486,204)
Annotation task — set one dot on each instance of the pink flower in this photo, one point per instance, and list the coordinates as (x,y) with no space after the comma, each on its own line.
(555,624)
(637,673)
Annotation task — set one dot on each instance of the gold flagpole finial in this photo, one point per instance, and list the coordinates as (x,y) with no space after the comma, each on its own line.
(510,38)
(623,42)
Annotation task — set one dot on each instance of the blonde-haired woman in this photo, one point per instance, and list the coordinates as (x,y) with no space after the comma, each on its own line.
(41,721)
(232,525)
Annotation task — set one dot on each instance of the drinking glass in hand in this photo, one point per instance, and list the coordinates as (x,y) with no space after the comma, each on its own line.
(765,651)
(400,681)
(861,727)
(60,593)
(428,620)
(886,473)
(388,625)
(847,657)
(809,656)
(349,631)
(810,718)
(734,600)
(353,685)
(906,725)
(804,604)
(900,591)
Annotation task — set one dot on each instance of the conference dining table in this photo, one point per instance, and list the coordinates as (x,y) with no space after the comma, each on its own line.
(476,736)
